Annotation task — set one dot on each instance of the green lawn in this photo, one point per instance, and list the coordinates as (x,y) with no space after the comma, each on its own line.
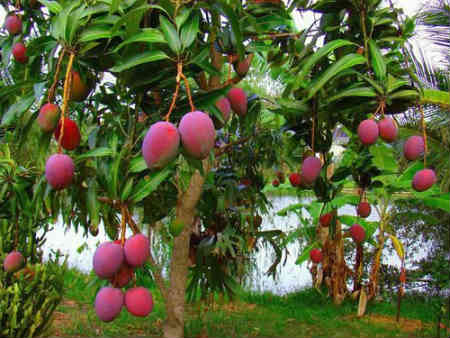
(302,314)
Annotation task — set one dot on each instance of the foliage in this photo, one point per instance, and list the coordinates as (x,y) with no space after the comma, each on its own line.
(29,298)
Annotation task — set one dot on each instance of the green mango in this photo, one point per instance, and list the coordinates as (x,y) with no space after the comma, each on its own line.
(176,227)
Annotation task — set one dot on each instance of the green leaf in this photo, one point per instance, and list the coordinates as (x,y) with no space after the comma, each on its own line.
(409,173)
(17,109)
(150,35)
(189,31)
(377,61)
(60,25)
(404,94)
(52,6)
(314,58)
(114,6)
(38,89)
(383,157)
(139,59)
(146,187)
(74,22)
(115,172)
(359,92)
(208,67)
(97,9)
(170,34)
(127,189)
(93,204)
(106,20)
(304,256)
(230,13)
(369,226)
(176,227)
(137,165)
(133,19)
(202,56)
(372,82)
(438,202)
(291,208)
(393,84)
(182,16)
(340,201)
(437,97)
(346,62)
(95,33)
(98,152)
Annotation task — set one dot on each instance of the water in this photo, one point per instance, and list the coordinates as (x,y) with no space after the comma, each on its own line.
(290,277)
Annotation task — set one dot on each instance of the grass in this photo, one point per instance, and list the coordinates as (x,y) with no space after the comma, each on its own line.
(305,313)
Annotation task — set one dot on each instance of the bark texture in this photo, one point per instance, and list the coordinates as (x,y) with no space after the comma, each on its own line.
(185,213)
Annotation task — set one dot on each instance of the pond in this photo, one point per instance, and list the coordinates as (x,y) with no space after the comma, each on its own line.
(290,277)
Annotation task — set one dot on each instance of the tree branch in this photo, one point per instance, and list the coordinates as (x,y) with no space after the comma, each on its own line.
(222,150)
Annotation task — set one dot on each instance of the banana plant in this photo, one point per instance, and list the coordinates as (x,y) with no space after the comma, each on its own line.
(386,183)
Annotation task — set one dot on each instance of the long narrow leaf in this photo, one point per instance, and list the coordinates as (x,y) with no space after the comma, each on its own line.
(146,187)
(346,62)
(189,31)
(95,33)
(317,56)
(170,34)
(305,253)
(437,97)
(150,35)
(235,27)
(357,92)
(377,61)
(139,59)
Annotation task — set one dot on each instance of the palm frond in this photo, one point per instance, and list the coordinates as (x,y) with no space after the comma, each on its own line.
(435,21)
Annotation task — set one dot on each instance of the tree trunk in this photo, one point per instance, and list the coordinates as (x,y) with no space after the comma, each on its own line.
(339,269)
(185,213)
(358,268)
(373,280)
(335,270)
(399,303)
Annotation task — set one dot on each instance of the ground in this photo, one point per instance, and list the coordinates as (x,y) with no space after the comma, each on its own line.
(303,314)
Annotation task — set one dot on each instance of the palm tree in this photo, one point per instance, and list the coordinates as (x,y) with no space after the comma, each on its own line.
(434,23)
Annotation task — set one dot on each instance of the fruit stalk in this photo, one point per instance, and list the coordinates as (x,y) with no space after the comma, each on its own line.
(177,88)
(424,131)
(67,85)
(364,30)
(123,225)
(358,267)
(51,92)
(188,90)
(130,222)
(313,131)
(230,61)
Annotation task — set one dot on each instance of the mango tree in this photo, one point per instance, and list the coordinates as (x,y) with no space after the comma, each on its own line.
(110,98)
(124,104)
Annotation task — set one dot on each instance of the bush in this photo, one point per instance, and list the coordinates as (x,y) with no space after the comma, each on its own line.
(29,297)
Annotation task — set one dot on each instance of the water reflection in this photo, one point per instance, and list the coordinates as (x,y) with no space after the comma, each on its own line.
(290,277)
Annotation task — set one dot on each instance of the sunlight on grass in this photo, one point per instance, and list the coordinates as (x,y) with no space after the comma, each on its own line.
(306,313)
